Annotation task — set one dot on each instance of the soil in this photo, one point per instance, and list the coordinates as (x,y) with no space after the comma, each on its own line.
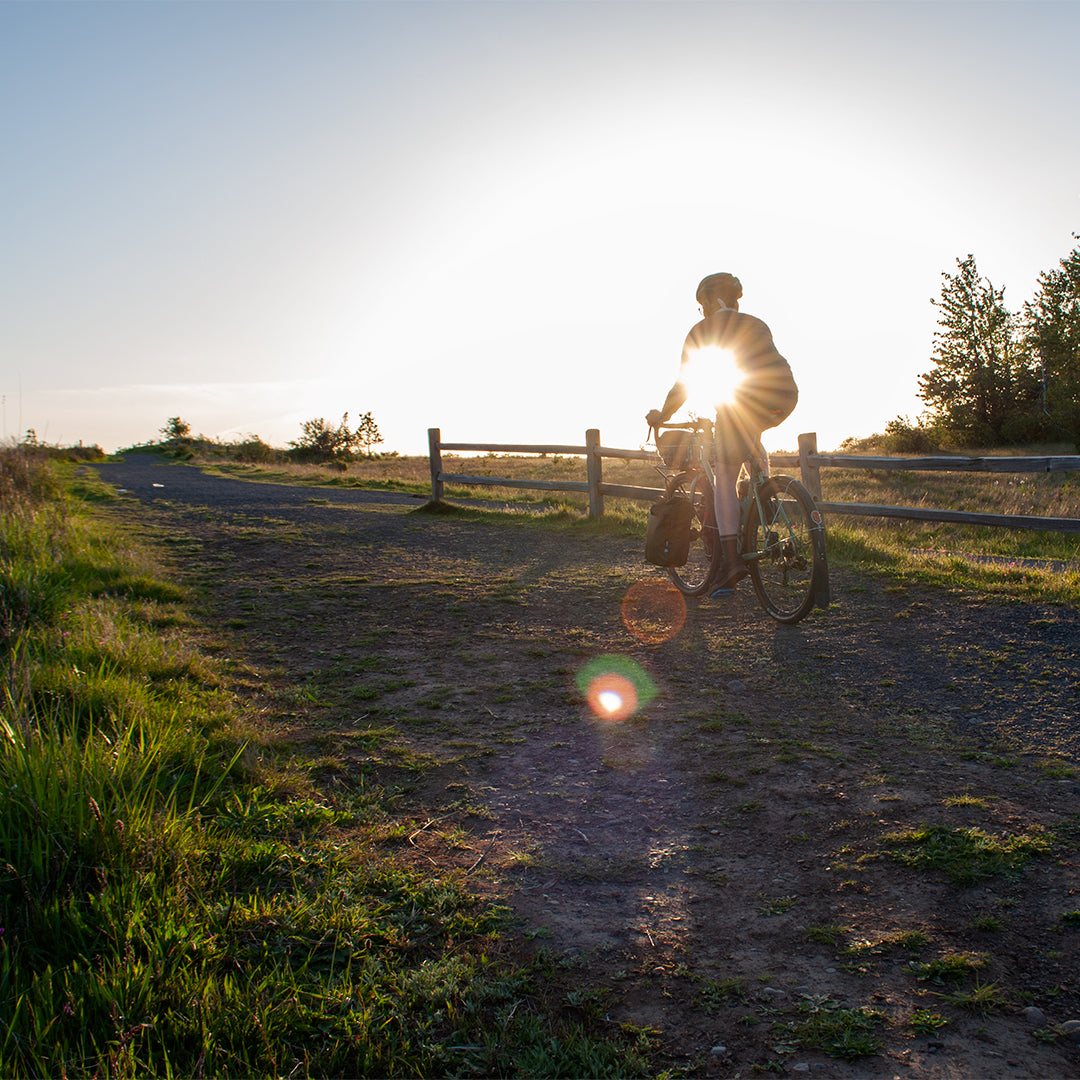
(711,865)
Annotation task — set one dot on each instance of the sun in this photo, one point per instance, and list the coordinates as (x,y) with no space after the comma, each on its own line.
(711,378)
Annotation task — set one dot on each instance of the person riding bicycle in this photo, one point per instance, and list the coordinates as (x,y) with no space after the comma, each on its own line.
(763,395)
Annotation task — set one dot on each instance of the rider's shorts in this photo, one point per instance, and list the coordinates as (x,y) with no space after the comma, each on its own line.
(739,426)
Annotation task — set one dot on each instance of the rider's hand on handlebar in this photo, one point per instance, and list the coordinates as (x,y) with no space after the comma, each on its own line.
(654,417)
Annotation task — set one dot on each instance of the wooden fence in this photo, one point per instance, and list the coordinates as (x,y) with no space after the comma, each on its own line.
(808,461)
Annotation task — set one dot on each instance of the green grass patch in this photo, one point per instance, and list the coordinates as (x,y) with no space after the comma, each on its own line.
(833,1028)
(965,855)
(951,967)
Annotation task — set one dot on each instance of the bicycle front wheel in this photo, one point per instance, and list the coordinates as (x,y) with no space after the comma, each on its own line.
(784,548)
(695,577)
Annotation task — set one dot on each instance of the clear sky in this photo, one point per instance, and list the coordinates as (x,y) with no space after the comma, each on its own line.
(492,217)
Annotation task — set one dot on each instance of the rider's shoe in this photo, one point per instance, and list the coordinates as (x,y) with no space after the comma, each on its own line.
(732,568)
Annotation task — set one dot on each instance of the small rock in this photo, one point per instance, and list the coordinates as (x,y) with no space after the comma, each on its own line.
(1035,1017)
(1072,1029)
(736,686)
(772,991)
(800,1066)
(718,1050)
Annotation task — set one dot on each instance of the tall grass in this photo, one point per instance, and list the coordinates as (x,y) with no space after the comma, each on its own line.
(165,911)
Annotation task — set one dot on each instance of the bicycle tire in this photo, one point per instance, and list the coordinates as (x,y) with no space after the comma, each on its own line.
(696,575)
(785,554)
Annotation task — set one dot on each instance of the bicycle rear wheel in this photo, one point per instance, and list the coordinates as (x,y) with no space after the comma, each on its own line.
(784,549)
(695,577)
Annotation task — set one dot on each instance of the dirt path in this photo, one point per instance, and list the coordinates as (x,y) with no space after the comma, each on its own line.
(710,868)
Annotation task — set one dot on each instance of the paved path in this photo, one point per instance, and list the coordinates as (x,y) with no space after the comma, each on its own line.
(151,476)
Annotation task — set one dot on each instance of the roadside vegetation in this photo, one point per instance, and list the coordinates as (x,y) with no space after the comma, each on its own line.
(176,900)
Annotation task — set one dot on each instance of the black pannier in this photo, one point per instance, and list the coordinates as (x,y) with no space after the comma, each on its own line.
(667,537)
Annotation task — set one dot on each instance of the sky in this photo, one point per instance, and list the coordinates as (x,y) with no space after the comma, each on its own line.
(491,218)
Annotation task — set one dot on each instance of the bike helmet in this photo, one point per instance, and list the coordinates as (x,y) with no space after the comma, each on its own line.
(726,287)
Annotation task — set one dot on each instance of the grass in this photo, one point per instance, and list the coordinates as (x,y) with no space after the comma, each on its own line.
(834,1028)
(965,855)
(174,901)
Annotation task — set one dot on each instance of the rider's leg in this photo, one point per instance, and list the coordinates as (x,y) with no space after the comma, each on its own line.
(727,509)
(729,446)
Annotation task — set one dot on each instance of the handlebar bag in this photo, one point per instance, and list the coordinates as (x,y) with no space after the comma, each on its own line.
(674,447)
(667,536)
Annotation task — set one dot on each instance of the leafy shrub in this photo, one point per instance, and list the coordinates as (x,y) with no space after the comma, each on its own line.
(903,437)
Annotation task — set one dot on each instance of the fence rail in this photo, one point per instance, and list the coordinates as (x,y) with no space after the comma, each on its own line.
(808,461)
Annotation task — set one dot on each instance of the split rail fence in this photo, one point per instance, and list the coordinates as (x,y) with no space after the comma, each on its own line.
(808,460)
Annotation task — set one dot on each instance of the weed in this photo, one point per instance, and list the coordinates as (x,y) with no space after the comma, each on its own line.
(951,967)
(711,994)
(828,934)
(965,800)
(982,999)
(778,905)
(924,1022)
(837,1030)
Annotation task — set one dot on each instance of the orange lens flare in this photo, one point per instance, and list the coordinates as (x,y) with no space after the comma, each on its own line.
(653,610)
(612,696)
(615,687)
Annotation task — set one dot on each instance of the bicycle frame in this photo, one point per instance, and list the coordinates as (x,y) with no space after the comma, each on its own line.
(781,531)
(756,466)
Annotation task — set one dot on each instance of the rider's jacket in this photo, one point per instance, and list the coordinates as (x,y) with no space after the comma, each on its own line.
(767,388)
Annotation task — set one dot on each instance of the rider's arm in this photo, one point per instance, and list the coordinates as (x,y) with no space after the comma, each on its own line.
(675,398)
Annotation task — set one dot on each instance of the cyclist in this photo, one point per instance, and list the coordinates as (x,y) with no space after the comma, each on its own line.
(764,394)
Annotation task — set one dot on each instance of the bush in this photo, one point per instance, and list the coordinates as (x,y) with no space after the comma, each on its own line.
(900,437)
(903,437)
(256,451)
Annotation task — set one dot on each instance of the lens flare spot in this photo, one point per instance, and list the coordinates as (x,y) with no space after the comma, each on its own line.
(612,697)
(615,687)
(653,610)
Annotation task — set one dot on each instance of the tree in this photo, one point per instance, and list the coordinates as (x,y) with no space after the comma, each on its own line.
(975,384)
(321,442)
(1052,333)
(367,433)
(176,428)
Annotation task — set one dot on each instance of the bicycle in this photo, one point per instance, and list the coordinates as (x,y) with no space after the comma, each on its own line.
(781,530)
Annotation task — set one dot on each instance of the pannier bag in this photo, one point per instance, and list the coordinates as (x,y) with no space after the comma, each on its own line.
(667,536)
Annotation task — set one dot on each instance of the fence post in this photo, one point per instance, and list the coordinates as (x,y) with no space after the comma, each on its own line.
(811,474)
(434,439)
(594,470)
